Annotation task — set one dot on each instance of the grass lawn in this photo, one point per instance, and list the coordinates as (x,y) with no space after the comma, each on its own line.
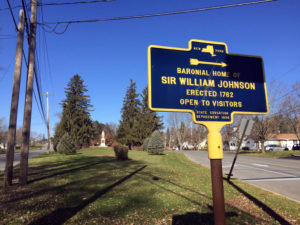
(91,187)
(272,154)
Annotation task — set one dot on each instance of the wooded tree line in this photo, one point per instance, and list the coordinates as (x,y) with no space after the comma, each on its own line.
(181,129)
(34,137)
(137,121)
(109,129)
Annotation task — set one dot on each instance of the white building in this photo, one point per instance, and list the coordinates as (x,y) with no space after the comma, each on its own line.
(283,140)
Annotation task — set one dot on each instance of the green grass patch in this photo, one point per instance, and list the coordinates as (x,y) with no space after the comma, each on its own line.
(272,154)
(92,187)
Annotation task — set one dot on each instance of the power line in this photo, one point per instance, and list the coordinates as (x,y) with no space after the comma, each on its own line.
(16,27)
(7,36)
(61,3)
(26,20)
(73,3)
(6,71)
(46,54)
(287,93)
(145,16)
(290,70)
(36,70)
(12,15)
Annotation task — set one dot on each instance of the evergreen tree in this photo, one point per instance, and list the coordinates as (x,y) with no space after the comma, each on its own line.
(130,111)
(75,119)
(145,144)
(147,121)
(156,143)
(66,145)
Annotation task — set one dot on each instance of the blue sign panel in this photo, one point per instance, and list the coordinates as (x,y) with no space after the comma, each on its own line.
(206,81)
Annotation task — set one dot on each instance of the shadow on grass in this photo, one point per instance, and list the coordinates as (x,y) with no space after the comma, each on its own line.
(191,217)
(61,215)
(82,166)
(38,176)
(155,178)
(175,193)
(260,204)
(195,218)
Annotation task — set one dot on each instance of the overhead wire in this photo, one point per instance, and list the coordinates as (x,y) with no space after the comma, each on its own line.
(12,15)
(288,71)
(46,52)
(68,23)
(6,71)
(73,3)
(129,17)
(61,3)
(26,62)
(279,77)
(36,64)
(7,36)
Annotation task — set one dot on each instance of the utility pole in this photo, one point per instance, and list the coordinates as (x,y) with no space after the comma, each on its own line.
(28,98)
(8,174)
(48,123)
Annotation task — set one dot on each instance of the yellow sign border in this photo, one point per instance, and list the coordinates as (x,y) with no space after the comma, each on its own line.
(205,123)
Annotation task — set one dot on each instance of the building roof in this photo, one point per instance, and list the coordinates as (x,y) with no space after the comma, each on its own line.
(288,136)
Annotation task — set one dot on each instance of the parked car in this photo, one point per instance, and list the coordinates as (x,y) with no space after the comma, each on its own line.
(296,147)
(273,148)
(175,148)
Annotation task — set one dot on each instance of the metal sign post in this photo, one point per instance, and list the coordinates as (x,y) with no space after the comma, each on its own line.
(212,85)
(244,129)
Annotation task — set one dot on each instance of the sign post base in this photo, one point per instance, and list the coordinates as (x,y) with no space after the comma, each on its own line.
(217,191)
(215,154)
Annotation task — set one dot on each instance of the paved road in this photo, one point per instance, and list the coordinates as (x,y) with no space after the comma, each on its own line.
(281,176)
(17,156)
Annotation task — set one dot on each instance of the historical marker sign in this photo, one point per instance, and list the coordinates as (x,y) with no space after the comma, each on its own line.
(206,81)
(211,84)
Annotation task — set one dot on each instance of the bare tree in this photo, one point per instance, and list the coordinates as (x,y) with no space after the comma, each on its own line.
(3,131)
(266,124)
(290,108)
(111,128)
(177,121)
(19,137)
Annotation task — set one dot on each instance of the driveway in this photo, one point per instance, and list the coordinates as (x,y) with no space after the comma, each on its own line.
(18,154)
(281,176)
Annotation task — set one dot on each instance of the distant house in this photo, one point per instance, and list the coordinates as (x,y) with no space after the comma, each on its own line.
(247,144)
(2,145)
(202,145)
(283,140)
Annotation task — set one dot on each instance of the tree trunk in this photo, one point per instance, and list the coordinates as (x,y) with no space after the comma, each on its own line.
(262,146)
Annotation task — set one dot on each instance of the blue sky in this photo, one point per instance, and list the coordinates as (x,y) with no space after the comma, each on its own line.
(108,54)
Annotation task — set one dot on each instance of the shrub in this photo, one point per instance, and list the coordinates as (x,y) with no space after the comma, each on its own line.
(66,145)
(156,143)
(55,144)
(121,151)
(145,144)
